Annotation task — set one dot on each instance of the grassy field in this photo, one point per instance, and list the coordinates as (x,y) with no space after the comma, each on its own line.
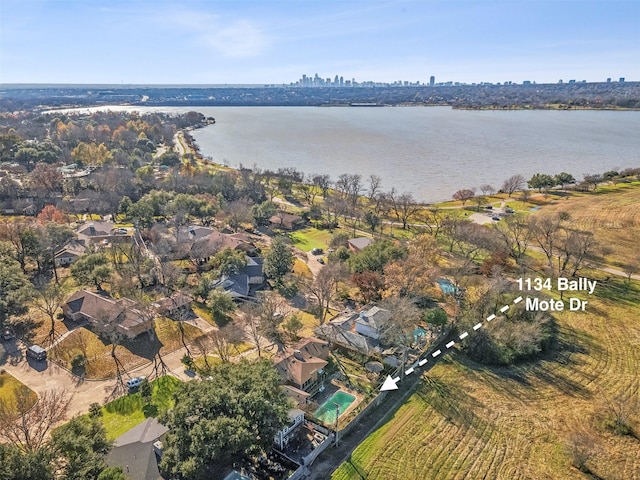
(126,412)
(8,387)
(469,421)
(310,238)
(612,214)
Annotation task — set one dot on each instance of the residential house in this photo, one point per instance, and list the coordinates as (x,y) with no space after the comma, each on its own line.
(173,306)
(359,243)
(302,365)
(101,232)
(138,450)
(69,253)
(242,285)
(122,315)
(206,246)
(356,331)
(286,221)
(370,322)
(296,418)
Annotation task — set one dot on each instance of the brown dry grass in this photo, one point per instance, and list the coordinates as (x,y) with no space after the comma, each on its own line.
(468,421)
(131,353)
(612,213)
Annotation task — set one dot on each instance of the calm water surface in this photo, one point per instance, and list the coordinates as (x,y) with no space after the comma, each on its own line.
(429,151)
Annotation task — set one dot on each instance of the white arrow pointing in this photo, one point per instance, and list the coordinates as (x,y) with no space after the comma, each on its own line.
(389,384)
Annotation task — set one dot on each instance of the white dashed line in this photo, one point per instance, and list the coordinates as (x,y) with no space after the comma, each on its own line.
(462,336)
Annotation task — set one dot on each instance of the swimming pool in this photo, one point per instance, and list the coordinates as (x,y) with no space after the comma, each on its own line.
(327,411)
(446,286)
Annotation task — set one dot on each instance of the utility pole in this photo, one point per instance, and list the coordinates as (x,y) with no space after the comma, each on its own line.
(337,415)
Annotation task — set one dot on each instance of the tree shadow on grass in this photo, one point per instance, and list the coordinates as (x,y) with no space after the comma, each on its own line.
(450,401)
(125,405)
(556,367)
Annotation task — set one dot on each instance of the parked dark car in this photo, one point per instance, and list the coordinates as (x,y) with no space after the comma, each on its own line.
(37,353)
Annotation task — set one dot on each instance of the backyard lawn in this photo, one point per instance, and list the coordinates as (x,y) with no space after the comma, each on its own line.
(310,238)
(9,385)
(126,412)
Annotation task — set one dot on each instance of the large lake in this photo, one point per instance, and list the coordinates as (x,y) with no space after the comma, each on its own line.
(428,151)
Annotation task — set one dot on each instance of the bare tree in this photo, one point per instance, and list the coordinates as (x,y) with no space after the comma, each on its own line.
(324,287)
(516,235)
(250,319)
(49,298)
(487,189)
(464,195)
(582,446)
(204,345)
(513,184)
(375,185)
(619,411)
(26,425)
(404,206)
(225,341)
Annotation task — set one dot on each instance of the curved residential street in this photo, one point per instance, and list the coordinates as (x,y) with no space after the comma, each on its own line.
(85,392)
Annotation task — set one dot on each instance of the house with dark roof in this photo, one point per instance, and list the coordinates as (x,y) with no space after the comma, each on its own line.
(243,284)
(138,450)
(105,313)
(359,243)
(301,366)
(69,253)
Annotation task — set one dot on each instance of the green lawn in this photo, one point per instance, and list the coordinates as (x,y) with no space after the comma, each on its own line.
(9,385)
(310,238)
(126,412)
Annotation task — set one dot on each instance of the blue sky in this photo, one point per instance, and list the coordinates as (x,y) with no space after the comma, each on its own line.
(272,41)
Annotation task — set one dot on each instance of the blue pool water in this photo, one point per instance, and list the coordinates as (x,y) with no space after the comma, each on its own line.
(327,411)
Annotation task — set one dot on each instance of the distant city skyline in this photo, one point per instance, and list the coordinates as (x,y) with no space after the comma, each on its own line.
(258,42)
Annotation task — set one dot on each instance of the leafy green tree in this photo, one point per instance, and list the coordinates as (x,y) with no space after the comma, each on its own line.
(372,220)
(376,256)
(112,473)
(541,181)
(141,213)
(18,465)
(83,444)
(15,289)
(92,269)
(228,261)
(146,391)
(244,410)
(262,212)
(564,178)
(278,261)
(221,304)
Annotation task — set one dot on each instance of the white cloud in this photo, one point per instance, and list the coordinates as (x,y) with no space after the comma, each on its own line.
(232,38)
(240,39)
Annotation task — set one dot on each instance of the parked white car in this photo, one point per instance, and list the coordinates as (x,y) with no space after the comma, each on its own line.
(135,382)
